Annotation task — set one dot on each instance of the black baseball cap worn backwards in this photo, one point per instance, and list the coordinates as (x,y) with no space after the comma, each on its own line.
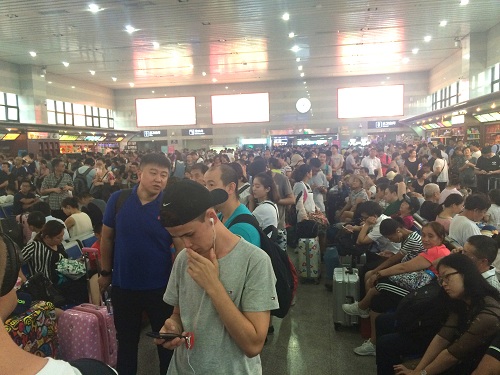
(185,200)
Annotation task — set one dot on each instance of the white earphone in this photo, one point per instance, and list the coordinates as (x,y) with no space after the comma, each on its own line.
(212,220)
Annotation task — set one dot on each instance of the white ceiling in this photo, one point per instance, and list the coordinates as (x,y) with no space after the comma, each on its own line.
(241,41)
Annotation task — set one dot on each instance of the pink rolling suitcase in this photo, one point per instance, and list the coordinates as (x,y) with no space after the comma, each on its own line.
(88,331)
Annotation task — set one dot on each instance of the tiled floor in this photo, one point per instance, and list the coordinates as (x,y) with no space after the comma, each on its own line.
(305,342)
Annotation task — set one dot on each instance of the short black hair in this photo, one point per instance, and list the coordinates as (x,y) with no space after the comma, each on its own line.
(70,201)
(156,159)
(200,166)
(42,207)
(315,163)
(370,208)
(36,219)
(477,201)
(485,247)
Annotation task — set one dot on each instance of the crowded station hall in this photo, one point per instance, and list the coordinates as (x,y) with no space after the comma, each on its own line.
(250,187)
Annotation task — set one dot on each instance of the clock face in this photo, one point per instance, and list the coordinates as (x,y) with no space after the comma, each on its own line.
(303,105)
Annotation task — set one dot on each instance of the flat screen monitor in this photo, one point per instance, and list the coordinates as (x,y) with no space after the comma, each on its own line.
(241,108)
(166,111)
(374,101)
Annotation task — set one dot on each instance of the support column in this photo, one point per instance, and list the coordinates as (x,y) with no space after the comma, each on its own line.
(33,94)
(474,64)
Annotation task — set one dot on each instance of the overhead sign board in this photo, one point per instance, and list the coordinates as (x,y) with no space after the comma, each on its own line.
(154,133)
(195,132)
(382,124)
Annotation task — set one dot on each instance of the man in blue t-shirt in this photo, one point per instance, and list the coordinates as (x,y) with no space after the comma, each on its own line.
(136,259)
(225,177)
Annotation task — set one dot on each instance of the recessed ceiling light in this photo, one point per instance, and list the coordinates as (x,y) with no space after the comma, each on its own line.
(131,84)
(203,74)
(72,87)
(443,23)
(414,51)
(297,59)
(227,87)
(478,109)
(156,45)
(305,82)
(464,2)
(214,80)
(50,82)
(299,67)
(302,74)
(33,54)
(94,8)
(222,40)
(285,17)
(295,48)
(130,29)
(191,66)
(42,75)
(405,60)
(291,35)
(387,77)
(427,38)
(466,56)
(152,91)
(92,72)
(65,63)
(114,79)
(493,106)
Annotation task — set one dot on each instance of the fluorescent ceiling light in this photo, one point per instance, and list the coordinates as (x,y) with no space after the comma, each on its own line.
(414,51)
(94,8)
(92,72)
(302,74)
(33,54)
(285,17)
(405,60)
(443,23)
(297,59)
(131,84)
(65,63)
(156,45)
(130,29)
(203,74)
(295,48)
(427,38)
(291,35)
(299,67)
(464,2)
(114,79)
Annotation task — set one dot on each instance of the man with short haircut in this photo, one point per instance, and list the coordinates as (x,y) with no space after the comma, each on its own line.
(133,176)
(429,208)
(222,288)
(57,186)
(325,168)
(350,162)
(24,199)
(394,197)
(488,165)
(198,172)
(44,208)
(336,162)
(463,226)
(483,250)
(225,177)
(372,163)
(4,177)
(88,165)
(136,259)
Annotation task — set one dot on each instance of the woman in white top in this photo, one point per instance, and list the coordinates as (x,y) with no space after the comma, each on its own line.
(77,222)
(265,191)
(243,184)
(305,204)
(440,168)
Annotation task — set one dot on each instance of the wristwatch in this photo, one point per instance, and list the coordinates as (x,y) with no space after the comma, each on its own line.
(106,273)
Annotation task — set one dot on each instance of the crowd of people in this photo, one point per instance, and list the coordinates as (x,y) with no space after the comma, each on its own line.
(425,214)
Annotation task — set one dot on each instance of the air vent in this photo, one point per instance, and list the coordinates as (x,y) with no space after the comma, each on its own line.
(53,12)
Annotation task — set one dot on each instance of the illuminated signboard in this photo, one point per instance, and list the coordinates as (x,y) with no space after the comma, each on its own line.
(195,132)
(234,109)
(166,111)
(154,133)
(68,137)
(382,124)
(375,101)
(10,137)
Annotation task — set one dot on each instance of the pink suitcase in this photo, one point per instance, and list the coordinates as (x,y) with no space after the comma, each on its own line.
(88,331)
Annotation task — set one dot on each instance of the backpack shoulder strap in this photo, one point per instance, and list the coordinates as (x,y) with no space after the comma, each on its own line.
(298,197)
(245,218)
(84,174)
(243,188)
(274,205)
(124,194)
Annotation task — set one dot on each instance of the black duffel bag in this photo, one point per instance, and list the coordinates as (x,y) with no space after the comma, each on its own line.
(346,243)
(41,289)
(307,229)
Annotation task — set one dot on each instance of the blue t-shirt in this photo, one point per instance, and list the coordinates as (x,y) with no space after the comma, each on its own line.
(244,230)
(142,259)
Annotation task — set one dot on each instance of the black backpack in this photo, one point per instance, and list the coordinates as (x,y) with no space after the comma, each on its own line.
(80,182)
(421,313)
(280,262)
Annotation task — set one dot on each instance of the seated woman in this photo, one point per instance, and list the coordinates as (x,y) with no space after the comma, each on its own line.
(452,205)
(473,322)
(78,222)
(409,206)
(356,196)
(266,213)
(43,254)
(395,282)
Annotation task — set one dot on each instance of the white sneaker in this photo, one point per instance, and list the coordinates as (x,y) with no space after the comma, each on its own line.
(353,309)
(367,348)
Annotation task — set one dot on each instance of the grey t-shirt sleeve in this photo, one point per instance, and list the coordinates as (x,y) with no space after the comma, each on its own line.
(260,292)
(171,295)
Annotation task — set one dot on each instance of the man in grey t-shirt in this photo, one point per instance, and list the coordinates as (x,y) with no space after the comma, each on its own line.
(225,310)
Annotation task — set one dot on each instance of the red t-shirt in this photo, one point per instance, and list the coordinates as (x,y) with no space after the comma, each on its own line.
(434,253)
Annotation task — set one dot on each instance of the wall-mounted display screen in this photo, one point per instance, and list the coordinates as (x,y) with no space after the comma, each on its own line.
(10,137)
(242,108)
(166,111)
(375,101)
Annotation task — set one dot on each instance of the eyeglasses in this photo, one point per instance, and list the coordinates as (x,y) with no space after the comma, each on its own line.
(445,278)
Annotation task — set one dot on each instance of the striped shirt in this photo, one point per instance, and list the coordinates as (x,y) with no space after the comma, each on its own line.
(41,258)
(411,247)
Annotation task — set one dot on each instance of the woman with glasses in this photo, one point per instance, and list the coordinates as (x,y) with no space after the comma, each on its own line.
(473,321)
(391,282)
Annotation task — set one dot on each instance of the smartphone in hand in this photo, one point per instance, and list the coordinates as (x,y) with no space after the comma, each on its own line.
(164,336)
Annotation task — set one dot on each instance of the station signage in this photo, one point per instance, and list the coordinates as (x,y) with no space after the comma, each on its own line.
(382,124)
(43,135)
(197,132)
(154,133)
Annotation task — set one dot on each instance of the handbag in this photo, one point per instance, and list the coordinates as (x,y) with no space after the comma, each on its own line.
(307,229)
(71,268)
(41,288)
(346,241)
(319,217)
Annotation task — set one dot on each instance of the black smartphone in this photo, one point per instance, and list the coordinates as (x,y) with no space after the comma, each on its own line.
(164,336)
